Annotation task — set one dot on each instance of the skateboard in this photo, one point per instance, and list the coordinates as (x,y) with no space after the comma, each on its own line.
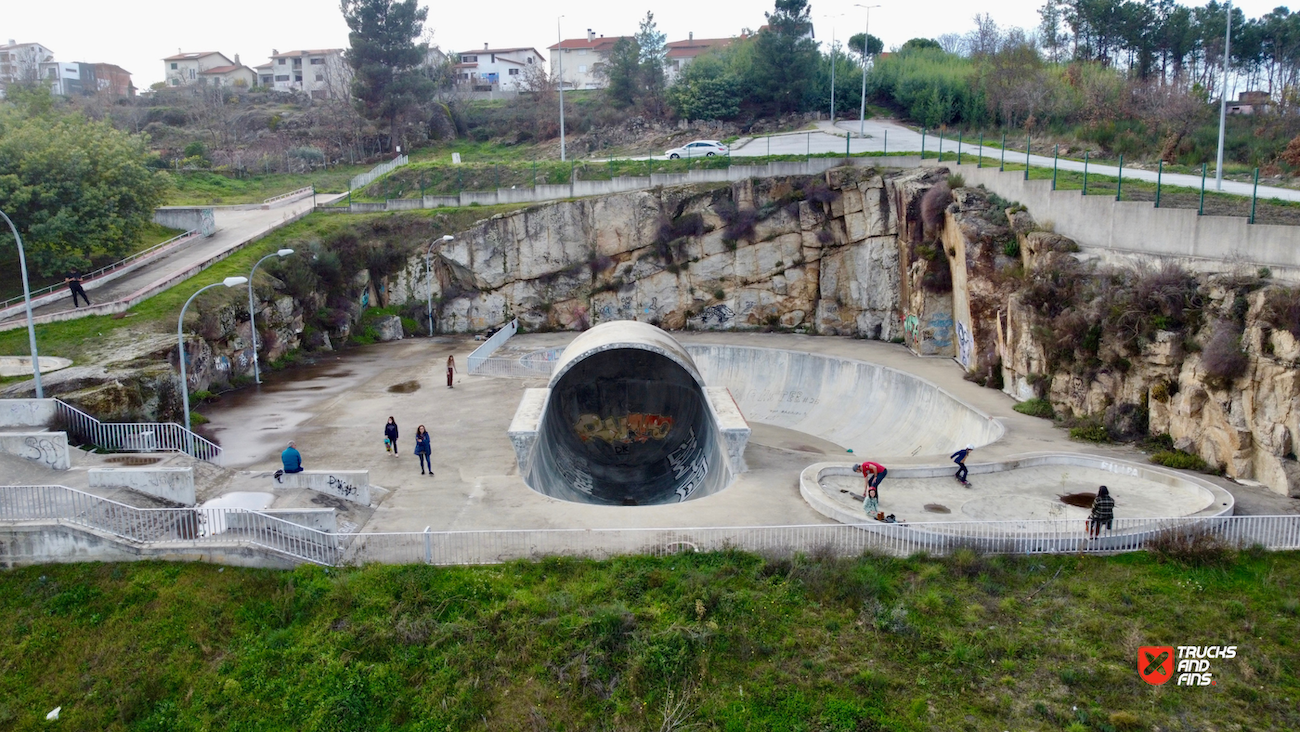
(963,482)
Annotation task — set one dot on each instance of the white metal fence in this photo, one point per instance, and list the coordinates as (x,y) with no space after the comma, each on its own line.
(300,193)
(488,347)
(133,436)
(202,527)
(364,179)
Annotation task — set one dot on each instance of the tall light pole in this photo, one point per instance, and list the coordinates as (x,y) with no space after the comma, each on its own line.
(428,273)
(180,340)
(252,311)
(559,55)
(866,49)
(27,300)
(1223,100)
(832,19)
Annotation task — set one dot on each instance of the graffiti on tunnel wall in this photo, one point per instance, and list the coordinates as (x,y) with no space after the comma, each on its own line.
(689,461)
(623,430)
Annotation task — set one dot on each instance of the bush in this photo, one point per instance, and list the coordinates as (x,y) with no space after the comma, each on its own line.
(1090,430)
(956,180)
(740,221)
(933,204)
(1223,358)
(1282,309)
(1190,545)
(1039,407)
(1179,460)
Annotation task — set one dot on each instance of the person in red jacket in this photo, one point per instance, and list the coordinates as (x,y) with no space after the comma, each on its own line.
(875,473)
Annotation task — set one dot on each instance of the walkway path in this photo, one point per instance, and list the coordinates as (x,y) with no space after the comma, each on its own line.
(235,229)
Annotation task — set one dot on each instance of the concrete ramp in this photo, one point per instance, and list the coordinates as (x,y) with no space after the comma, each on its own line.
(874,410)
(627,420)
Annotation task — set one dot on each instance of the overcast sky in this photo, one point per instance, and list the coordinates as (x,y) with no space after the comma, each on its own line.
(137,34)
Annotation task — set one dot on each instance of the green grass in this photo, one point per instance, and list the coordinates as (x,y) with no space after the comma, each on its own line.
(969,642)
(1038,407)
(79,339)
(213,189)
(11,283)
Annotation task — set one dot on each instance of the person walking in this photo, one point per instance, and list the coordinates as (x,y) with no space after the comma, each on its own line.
(959,457)
(390,435)
(875,474)
(291,459)
(1103,512)
(73,281)
(451,370)
(423,450)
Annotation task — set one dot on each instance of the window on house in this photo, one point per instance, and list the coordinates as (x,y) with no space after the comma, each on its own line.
(191,74)
(173,67)
(468,59)
(530,59)
(284,77)
(514,72)
(582,52)
(280,61)
(582,69)
(317,61)
(320,77)
(297,78)
(176,82)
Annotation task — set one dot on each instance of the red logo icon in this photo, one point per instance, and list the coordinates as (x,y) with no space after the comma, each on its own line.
(1156,664)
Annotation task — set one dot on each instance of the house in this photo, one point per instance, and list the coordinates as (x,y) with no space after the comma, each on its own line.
(113,80)
(578,61)
(496,69)
(22,62)
(184,69)
(265,74)
(1251,102)
(681,53)
(236,75)
(69,78)
(322,73)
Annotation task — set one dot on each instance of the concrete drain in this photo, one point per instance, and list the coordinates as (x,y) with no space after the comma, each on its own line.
(1081,500)
(133,460)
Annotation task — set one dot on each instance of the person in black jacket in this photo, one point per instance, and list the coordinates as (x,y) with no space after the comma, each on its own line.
(390,433)
(1103,512)
(423,450)
(959,457)
(73,281)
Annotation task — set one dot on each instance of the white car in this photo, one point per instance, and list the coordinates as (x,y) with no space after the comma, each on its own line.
(698,149)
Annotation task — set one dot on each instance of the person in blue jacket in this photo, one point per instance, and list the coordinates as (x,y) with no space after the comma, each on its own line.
(423,450)
(959,457)
(291,459)
(390,433)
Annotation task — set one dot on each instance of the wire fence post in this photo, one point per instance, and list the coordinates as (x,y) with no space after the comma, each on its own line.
(1085,173)
(1029,143)
(847,139)
(941,144)
(923,143)
(979,161)
(769,147)
(959,132)
(1119,182)
(1200,210)
(1254,196)
(1056,155)
(807,156)
(884,150)
(1160,174)
(1002,164)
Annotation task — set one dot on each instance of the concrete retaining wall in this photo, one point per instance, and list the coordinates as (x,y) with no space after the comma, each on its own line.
(186,218)
(27,413)
(301,523)
(350,485)
(29,543)
(170,484)
(47,448)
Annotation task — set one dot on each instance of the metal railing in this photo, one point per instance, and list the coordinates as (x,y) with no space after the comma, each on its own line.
(208,527)
(105,269)
(488,347)
(188,527)
(302,192)
(133,436)
(364,179)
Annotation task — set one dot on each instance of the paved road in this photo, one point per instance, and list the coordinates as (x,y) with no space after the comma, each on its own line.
(234,229)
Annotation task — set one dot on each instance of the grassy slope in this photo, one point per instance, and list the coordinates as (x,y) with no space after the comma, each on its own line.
(868,644)
(11,283)
(77,339)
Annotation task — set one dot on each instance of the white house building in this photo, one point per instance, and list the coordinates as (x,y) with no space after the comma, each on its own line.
(495,69)
(578,60)
(22,62)
(322,73)
(185,69)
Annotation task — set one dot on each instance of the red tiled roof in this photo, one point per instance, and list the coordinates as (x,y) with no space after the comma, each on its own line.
(222,69)
(600,44)
(693,48)
(315,52)
(190,56)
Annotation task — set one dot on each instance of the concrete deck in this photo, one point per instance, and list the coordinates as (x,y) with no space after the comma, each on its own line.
(336,410)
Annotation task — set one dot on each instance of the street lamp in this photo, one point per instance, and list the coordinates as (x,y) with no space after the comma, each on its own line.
(559,55)
(27,300)
(180,339)
(428,272)
(832,19)
(866,48)
(1223,100)
(252,316)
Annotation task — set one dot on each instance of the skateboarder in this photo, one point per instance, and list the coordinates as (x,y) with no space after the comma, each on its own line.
(959,457)
(875,473)
(73,280)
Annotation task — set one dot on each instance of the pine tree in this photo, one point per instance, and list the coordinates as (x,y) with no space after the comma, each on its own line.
(385,58)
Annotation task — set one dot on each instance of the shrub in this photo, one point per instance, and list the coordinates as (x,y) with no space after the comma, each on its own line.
(1223,358)
(815,190)
(956,180)
(1179,460)
(933,204)
(1282,309)
(1089,430)
(740,221)
(1190,545)
(1039,407)
(1011,248)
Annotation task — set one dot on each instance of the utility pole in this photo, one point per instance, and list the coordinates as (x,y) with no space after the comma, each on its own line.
(866,49)
(559,55)
(1223,100)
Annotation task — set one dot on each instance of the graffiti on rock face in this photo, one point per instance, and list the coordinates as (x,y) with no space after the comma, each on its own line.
(623,430)
(718,314)
(965,345)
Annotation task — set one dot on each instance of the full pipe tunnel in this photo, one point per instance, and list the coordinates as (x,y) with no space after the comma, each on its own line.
(627,421)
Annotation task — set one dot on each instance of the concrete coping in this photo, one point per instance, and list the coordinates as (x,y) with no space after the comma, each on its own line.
(624,334)
(39,446)
(168,483)
(350,485)
(816,495)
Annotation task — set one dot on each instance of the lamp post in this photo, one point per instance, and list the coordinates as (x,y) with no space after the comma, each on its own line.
(180,341)
(866,48)
(27,300)
(1223,100)
(252,310)
(559,55)
(832,19)
(428,273)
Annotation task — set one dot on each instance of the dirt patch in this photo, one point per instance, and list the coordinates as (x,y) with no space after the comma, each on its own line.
(937,508)
(133,460)
(406,387)
(1081,500)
